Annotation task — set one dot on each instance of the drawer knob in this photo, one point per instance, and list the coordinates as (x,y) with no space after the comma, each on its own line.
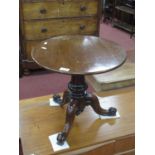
(43,11)
(82,27)
(43,30)
(83,8)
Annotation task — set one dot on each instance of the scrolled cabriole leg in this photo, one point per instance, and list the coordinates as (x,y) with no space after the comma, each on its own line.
(70,115)
(93,101)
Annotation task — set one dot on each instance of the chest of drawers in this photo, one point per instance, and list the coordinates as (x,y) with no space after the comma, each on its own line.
(42,19)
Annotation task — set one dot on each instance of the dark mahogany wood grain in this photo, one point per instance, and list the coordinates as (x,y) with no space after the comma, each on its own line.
(80,54)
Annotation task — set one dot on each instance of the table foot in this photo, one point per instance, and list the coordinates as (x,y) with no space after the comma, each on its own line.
(93,101)
(70,115)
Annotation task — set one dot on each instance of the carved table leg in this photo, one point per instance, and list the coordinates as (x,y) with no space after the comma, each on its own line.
(65,98)
(70,115)
(93,101)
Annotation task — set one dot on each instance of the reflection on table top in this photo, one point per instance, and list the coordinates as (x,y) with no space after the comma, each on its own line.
(77,54)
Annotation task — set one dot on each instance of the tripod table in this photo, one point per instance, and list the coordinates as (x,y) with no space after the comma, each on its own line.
(78,56)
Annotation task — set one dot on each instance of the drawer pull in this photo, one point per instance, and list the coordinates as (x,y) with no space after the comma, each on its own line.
(82,27)
(83,8)
(43,30)
(43,11)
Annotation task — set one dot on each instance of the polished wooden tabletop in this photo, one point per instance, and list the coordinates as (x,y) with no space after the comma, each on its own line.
(77,54)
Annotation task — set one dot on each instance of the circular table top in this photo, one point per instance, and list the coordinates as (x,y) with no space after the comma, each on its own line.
(77,54)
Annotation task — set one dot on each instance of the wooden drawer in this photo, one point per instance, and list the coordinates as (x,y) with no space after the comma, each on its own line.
(125,144)
(35,30)
(59,9)
(107,149)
